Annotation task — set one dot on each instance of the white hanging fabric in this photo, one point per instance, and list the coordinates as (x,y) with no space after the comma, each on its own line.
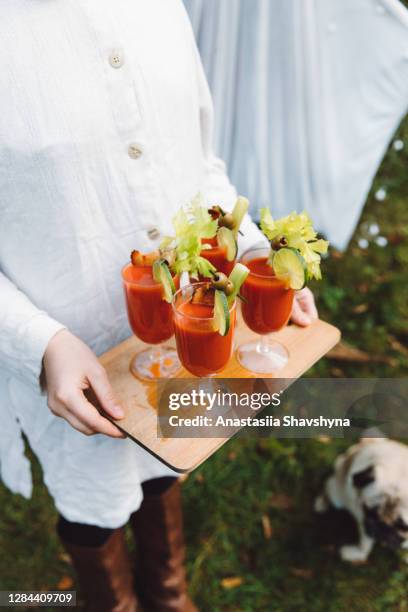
(307,95)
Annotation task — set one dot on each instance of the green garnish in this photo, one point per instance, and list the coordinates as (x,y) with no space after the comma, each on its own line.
(222,319)
(295,232)
(192,223)
(226,290)
(239,211)
(237,278)
(226,239)
(162,274)
(288,263)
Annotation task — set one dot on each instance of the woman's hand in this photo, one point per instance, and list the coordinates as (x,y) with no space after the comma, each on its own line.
(304,310)
(70,367)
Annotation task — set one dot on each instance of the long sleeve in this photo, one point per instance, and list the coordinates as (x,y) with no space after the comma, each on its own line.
(218,187)
(24,333)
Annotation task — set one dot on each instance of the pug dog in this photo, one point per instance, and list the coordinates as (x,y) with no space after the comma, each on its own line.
(370,480)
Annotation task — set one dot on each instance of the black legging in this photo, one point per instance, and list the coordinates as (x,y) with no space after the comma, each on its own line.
(92,536)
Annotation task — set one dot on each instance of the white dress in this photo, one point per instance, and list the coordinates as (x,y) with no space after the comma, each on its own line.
(307,95)
(105,130)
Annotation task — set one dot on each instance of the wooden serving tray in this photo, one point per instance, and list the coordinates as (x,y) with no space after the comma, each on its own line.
(305,345)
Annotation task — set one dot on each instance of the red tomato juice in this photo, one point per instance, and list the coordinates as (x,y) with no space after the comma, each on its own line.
(217,256)
(201,350)
(150,316)
(268,302)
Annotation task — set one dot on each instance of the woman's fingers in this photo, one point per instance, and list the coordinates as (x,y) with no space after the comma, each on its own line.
(307,303)
(103,390)
(304,310)
(70,368)
(88,416)
(298,316)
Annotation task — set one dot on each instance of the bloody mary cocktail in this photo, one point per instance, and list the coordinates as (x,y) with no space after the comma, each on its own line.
(267,300)
(266,307)
(217,255)
(150,316)
(151,320)
(201,349)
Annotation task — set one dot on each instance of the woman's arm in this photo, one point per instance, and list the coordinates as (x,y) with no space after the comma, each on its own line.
(25,332)
(29,338)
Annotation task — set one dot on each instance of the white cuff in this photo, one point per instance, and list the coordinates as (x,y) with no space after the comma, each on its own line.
(33,339)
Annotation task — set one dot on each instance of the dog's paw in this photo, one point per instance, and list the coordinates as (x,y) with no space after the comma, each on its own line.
(353,554)
(321,504)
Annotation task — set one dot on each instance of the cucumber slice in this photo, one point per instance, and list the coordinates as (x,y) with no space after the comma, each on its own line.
(239,212)
(288,263)
(221,313)
(226,239)
(162,274)
(237,278)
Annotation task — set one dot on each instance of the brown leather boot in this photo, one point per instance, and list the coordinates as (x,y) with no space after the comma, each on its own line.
(105,575)
(160,573)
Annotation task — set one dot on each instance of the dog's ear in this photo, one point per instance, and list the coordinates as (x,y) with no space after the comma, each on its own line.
(364,478)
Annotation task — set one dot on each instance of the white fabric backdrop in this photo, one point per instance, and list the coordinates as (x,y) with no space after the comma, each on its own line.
(307,95)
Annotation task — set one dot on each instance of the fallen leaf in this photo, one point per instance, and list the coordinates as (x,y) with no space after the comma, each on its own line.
(281,501)
(199,478)
(65,583)
(363,287)
(397,346)
(232,582)
(323,439)
(232,455)
(396,238)
(65,558)
(337,373)
(267,527)
(360,309)
(302,572)
(346,352)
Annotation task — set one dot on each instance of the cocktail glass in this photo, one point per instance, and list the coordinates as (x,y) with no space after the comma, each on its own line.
(266,308)
(201,349)
(151,320)
(217,255)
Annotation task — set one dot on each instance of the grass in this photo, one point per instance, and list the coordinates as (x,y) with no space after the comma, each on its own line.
(298,567)
(254,543)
